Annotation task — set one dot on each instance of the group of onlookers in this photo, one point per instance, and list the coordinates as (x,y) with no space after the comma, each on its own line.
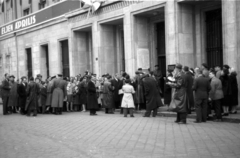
(202,89)
(185,89)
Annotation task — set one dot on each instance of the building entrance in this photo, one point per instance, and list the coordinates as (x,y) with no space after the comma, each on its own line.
(44,61)
(161,50)
(214,41)
(65,58)
(82,51)
(29,62)
(112,57)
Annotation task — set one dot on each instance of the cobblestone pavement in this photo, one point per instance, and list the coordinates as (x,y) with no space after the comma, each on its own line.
(78,135)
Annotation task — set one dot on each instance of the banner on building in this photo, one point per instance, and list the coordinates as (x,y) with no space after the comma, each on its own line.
(39,17)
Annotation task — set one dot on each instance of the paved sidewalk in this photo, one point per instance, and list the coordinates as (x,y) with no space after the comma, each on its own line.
(78,135)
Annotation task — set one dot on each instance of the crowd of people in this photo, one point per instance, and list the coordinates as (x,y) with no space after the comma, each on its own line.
(59,94)
(185,90)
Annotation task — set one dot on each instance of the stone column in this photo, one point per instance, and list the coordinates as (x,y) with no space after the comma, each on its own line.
(186,35)
(130,58)
(171,33)
(229,33)
(95,48)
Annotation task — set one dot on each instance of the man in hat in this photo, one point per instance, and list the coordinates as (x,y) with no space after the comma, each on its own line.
(189,83)
(92,103)
(59,92)
(5,90)
(32,97)
(180,96)
(49,92)
(116,83)
(13,96)
(201,86)
(139,94)
(158,75)
(22,93)
(152,95)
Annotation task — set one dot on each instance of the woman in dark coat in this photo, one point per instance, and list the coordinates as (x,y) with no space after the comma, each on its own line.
(108,96)
(83,94)
(234,88)
(226,85)
(139,95)
(167,90)
(32,97)
(13,96)
(92,103)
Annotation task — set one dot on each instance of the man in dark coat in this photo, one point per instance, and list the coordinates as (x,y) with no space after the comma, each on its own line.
(116,83)
(201,86)
(189,83)
(59,92)
(152,95)
(22,92)
(139,95)
(5,91)
(180,96)
(92,102)
(158,75)
(32,97)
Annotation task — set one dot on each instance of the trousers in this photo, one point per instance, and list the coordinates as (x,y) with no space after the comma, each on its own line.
(201,110)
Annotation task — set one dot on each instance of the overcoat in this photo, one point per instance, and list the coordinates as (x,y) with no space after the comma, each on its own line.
(152,93)
(216,92)
(201,87)
(58,92)
(108,95)
(43,95)
(83,92)
(179,96)
(5,88)
(167,93)
(234,88)
(13,96)
(127,101)
(22,93)
(139,95)
(49,93)
(227,89)
(189,83)
(92,103)
(116,83)
(32,96)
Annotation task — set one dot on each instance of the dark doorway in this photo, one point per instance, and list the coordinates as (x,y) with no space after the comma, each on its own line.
(122,49)
(65,58)
(161,50)
(45,60)
(214,44)
(29,62)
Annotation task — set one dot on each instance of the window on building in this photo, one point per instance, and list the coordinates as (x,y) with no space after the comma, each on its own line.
(26,12)
(42,4)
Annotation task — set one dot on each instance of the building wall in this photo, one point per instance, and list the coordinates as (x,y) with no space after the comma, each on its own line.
(34,39)
(97,49)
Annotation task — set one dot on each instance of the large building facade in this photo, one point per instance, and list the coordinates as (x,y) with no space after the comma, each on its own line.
(124,35)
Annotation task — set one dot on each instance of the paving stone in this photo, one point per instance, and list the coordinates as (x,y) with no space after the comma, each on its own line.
(108,136)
